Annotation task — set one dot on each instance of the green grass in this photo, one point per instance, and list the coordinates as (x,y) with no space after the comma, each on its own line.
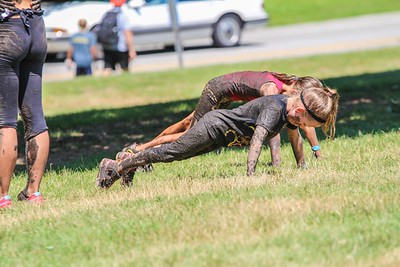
(342,211)
(204,212)
(284,12)
(138,89)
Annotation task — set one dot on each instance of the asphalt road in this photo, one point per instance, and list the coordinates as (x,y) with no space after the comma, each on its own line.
(333,36)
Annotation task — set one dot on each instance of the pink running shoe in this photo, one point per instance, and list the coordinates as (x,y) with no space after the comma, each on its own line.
(5,202)
(36,199)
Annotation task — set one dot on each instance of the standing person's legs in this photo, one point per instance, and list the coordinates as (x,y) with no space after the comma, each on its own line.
(83,71)
(123,60)
(8,158)
(31,110)
(37,151)
(14,45)
(109,62)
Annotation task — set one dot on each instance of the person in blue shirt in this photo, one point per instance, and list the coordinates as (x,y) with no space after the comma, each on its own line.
(82,50)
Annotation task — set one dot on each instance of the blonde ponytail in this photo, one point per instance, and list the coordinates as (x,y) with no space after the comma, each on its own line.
(322,103)
(299,83)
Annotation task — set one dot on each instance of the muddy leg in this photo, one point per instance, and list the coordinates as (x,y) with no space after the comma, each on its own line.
(37,151)
(169,135)
(196,141)
(178,127)
(8,157)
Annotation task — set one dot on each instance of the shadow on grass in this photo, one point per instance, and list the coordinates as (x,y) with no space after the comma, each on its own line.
(369,103)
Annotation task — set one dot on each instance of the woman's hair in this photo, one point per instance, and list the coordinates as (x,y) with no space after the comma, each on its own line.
(299,83)
(322,105)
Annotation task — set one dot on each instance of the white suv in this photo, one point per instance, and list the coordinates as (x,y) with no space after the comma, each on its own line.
(220,20)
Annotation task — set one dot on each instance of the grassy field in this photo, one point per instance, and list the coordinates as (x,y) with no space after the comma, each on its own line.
(287,12)
(341,211)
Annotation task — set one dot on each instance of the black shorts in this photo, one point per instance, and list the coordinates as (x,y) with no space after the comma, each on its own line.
(82,71)
(209,100)
(112,58)
(22,54)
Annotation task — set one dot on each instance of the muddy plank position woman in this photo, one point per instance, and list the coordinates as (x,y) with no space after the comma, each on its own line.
(221,91)
(23,50)
(248,125)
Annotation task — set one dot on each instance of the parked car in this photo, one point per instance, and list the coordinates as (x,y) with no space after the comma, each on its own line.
(222,21)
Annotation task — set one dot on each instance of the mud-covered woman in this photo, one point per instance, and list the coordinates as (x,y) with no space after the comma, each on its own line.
(23,49)
(248,125)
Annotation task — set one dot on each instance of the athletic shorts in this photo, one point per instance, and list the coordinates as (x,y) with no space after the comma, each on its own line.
(22,55)
(112,58)
(209,100)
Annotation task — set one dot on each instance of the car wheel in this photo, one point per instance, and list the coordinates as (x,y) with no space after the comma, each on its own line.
(227,31)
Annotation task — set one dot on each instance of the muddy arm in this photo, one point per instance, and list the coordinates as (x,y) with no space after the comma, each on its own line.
(255,149)
(297,145)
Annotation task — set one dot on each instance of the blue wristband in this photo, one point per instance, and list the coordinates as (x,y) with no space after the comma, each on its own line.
(315,148)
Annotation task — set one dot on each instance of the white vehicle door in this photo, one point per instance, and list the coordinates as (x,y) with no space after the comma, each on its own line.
(151,19)
(194,14)
(155,14)
(152,16)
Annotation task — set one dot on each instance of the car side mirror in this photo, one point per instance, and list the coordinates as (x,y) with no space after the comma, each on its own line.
(136,3)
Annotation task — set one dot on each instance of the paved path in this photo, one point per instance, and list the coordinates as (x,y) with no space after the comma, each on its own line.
(333,36)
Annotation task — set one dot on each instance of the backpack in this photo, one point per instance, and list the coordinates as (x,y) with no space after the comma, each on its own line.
(107,35)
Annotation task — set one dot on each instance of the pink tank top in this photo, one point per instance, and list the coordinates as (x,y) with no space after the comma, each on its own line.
(244,86)
(277,82)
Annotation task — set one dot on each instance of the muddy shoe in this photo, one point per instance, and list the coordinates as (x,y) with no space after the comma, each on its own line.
(122,155)
(36,198)
(146,168)
(131,148)
(127,176)
(129,151)
(22,196)
(108,173)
